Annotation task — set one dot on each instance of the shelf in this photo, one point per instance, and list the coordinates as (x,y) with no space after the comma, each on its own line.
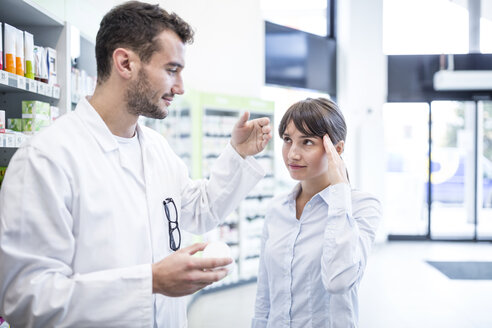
(26,13)
(14,83)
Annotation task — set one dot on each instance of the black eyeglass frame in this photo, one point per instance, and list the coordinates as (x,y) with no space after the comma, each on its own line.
(173,225)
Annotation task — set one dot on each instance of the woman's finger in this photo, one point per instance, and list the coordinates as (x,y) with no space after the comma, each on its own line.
(330,149)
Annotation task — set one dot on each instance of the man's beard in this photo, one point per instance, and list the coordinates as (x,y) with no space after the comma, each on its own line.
(139,97)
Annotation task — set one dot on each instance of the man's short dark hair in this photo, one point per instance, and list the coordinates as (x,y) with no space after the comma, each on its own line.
(135,25)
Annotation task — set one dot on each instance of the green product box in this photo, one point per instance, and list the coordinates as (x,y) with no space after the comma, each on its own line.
(28,125)
(16,124)
(2,174)
(36,107)
(32,125)
(29,70)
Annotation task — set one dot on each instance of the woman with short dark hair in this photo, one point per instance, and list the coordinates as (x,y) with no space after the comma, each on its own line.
(316,239)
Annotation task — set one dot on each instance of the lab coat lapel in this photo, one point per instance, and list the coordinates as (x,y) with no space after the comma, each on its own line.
(96,126)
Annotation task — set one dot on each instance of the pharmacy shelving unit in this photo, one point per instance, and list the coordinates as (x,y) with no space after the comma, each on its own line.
(85,61)
(48,31)
(198,128)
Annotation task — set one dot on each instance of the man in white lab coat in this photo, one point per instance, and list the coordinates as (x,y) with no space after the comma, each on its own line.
(91,208)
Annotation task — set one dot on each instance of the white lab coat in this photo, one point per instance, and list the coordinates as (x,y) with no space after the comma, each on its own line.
(74,251)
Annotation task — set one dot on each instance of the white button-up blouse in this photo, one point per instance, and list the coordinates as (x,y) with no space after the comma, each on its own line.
(310,268)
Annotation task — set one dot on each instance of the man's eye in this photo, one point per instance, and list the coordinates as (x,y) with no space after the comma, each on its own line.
(308,142)
(172,70)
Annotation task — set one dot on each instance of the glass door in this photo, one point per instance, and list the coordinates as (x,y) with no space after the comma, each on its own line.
(484,176)
(453,170)
(406,138)
(456,181)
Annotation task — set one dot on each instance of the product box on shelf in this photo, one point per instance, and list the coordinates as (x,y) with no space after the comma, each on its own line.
(19,52)
(2,121)
(35,115)
(10,35)
(2,174)
(35,107)
(55,113)
(40,64)
(1,46)
(29,55)
(51,62)
(16,124)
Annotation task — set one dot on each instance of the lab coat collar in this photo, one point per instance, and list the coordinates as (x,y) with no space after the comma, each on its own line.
(98,128)
(95,125)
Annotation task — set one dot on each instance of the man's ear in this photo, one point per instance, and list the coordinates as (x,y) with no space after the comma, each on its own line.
(340,146)
(125,63)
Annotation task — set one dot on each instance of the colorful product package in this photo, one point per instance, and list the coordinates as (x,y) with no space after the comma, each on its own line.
(51,62)
(55,113)
(2,174)
(40,64)
(2,121)
(10,34)
(19,52)
(1,47)
(29,55)
(16,124)
(36,107)
(36,115)
(31,125)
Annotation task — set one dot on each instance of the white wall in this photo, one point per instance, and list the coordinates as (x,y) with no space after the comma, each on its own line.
(228,53)
(83,14)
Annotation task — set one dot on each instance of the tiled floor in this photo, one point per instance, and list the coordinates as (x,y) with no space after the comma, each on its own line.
(399,290)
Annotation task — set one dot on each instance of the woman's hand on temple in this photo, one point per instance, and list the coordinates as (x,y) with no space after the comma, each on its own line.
(337,171)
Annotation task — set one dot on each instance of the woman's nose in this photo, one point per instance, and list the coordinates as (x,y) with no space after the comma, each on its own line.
(294,153)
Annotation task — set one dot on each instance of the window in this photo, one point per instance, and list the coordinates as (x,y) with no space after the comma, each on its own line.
(424,27)
(308,15)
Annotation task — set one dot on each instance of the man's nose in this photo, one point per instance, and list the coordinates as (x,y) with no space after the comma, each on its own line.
(178,88)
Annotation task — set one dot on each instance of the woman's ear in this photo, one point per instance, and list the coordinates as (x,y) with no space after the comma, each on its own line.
(339,147)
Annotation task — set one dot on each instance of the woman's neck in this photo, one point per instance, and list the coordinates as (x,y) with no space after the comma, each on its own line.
(308,190)
(311,187)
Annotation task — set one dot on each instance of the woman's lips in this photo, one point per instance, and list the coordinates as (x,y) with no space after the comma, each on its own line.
(295,167)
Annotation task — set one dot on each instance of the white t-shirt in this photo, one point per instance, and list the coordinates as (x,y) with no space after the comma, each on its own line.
(131,158)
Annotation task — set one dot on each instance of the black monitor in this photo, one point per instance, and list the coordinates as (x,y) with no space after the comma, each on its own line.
(299,59)
(410,77)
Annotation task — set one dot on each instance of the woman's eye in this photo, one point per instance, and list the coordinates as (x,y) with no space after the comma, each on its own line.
(286,139)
